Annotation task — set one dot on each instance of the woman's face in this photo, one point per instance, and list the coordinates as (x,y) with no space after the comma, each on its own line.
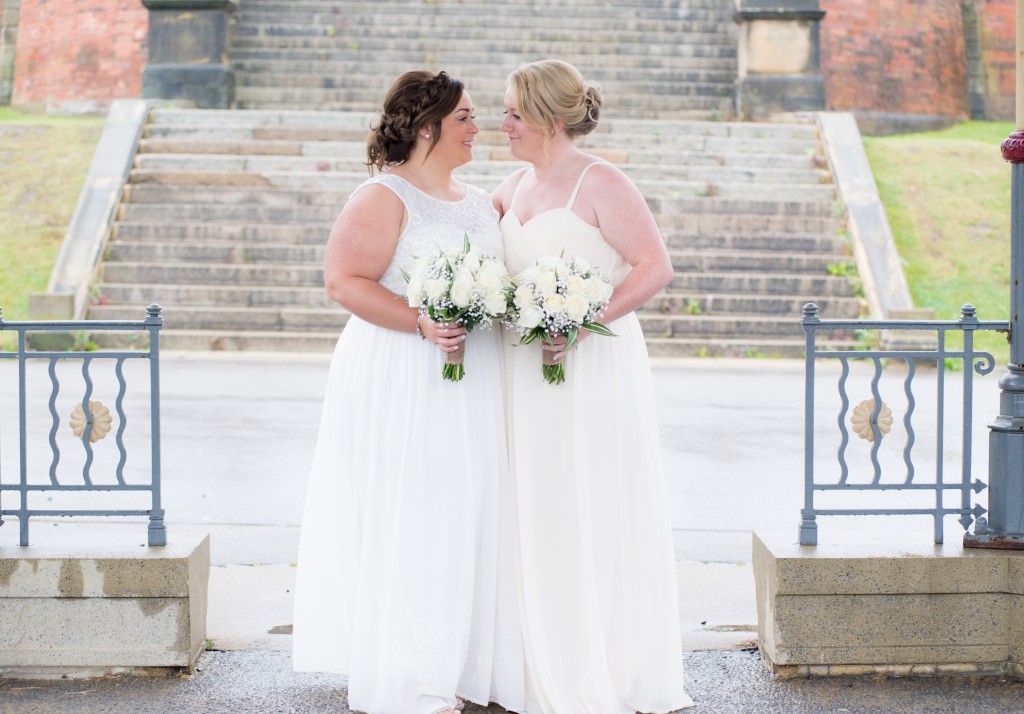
(524,142)
(458,130)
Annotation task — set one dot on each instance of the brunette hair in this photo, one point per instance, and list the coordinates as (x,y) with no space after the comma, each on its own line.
(550,91)
(416,99)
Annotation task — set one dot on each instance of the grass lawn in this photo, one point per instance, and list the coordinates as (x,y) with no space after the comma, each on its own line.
(947,195)
(43,164)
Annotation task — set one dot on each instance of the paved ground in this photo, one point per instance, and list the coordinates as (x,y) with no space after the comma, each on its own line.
(238,432)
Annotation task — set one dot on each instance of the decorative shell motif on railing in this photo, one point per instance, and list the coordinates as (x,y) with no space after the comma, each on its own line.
(861,419)
(101,421)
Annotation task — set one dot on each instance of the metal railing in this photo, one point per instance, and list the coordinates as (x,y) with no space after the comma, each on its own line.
(872,419)
(90,421)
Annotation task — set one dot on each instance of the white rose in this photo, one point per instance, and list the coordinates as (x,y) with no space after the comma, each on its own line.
(462,290)
(595,289)
(529,317)
(414,290)
(576,285)
(489,282)
(495,303)
(576,307)
(554,304)
(606,291)
(529,275)
(493,267)
(581,265)
(545,285)
(434,288)
(552,262)
(523,296)
(471,260)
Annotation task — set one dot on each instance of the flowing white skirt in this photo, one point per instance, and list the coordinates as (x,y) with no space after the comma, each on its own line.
(405,570)
(598,572)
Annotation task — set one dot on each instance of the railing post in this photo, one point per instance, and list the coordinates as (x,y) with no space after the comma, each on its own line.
(808,524)
(1005,527)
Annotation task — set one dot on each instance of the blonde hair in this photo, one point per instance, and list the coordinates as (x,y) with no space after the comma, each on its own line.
(552,91)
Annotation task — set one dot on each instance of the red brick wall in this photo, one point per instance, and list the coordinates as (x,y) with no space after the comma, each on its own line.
(79,51)
(997,27)
(894,56)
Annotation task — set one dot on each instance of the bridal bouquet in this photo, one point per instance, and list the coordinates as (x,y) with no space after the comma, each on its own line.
(462,287)
(558,296)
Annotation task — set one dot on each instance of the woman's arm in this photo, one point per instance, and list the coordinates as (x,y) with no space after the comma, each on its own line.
(622,214)
(359,250)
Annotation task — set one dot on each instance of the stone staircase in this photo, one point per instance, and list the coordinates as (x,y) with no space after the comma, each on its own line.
(226,214)
(654,59)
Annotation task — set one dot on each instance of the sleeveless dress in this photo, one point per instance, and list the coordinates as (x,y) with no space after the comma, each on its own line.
(597,573)
(406,578)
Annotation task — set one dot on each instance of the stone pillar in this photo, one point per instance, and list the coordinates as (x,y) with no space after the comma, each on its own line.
(9,10)
(188,52)
(779,66)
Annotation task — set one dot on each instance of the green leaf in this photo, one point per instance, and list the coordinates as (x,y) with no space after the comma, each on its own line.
(598,328)
(571,336)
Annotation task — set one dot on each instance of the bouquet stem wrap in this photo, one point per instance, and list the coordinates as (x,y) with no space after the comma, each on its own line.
(453,363)
(554,370)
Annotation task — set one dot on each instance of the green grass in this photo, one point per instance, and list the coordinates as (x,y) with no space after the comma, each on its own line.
(947,195)
(44,162)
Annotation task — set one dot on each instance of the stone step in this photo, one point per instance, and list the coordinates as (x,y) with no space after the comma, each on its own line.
(311,297)
(240,253)
(464,32)
(682,303)
(768,198)
(203,274)
(414,52)
(396,14)
(745,283)
(685,8)
(321,73)
(341,120)
(332,320)
(316,234)
(255,319)
(712,224)
(666,180)
(661,107)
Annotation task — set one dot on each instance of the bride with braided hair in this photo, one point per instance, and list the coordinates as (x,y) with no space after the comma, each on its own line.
(405,576)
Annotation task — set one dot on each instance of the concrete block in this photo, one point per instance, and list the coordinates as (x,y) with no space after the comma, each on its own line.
(872,608)
(89,612)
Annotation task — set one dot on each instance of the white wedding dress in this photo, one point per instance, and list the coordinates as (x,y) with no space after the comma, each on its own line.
(598,572)
(406,576)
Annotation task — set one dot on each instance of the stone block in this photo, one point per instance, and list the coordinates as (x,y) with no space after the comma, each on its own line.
(90,611)
(872,608)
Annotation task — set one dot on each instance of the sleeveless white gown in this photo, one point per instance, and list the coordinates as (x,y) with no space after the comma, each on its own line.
(597,563)
(405,575)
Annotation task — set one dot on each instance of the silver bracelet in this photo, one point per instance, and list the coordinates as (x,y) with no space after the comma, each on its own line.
(419,331)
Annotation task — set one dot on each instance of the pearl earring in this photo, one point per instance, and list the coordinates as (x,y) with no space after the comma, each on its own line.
(426,136)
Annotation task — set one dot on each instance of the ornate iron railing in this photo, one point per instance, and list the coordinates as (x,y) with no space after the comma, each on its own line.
(872,419)
(90,421)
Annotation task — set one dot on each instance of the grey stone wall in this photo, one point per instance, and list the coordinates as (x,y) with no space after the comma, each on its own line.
(8,34)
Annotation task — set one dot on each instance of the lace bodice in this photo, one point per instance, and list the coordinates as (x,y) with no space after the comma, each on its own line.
(433,222)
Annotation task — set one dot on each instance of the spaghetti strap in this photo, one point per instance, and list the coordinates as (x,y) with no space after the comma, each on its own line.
(579,182)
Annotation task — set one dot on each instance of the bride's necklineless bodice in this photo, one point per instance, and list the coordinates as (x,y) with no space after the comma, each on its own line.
(558,230)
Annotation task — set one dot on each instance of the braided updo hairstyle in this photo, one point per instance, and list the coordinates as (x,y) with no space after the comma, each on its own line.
(550,91)
(416,99)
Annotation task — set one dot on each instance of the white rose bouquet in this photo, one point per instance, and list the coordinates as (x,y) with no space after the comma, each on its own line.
(558,296)
(466,287)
